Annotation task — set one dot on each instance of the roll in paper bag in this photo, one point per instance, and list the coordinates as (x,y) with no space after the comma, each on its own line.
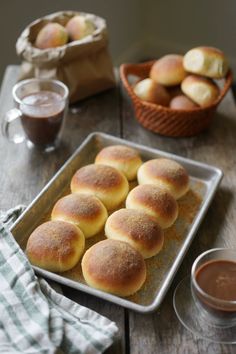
(84,65)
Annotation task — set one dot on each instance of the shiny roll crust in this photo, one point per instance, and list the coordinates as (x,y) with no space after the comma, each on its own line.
(84,210)
(168,70)
(182,102)
(105,182)
(165,173)
(155,201)
(137,228)
(114,267)
(206,61)
(123,158)
(201,90)
(55,246)
(150,91)
(79,27)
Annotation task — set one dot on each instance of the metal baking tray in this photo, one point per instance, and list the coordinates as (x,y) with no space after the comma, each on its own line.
(161,269)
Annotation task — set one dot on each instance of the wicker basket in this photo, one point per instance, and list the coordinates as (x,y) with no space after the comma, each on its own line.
(167,121)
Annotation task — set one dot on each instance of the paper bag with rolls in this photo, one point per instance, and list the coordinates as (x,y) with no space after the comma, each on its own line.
(84,65)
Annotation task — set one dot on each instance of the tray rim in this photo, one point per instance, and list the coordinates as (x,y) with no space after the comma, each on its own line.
(218,175)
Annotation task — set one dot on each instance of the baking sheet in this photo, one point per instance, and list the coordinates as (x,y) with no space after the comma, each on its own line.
(161,269)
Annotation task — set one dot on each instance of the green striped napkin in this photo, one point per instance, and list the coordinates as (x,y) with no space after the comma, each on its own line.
(34,318)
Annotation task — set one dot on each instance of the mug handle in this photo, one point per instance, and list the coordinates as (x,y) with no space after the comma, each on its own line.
(10,117)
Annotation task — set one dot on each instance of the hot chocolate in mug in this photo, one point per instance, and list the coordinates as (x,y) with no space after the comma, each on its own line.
(41,106)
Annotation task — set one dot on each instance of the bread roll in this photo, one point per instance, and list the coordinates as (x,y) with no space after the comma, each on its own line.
(137,228)
(150,91)
(79,27)
(55,246)
(165,173)
(51,35)
(85,211)
(206,61)
(201,90)
(115,267)
(105,182)
(125,159)
(182,102)
(155,201)
(168,70)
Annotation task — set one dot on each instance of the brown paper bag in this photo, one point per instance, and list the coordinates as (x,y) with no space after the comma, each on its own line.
(84,65)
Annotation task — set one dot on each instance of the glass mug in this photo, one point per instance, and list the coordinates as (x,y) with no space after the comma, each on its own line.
(41,106)
(213,274)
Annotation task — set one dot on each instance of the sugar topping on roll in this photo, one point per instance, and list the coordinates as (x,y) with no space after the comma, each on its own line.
(84,210)
(155,201)
(124,158)
(137,228)
(105,182)
(115,267)
(165,173)
(55,246)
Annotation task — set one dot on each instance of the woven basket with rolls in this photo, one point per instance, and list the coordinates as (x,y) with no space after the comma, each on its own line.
(164,120)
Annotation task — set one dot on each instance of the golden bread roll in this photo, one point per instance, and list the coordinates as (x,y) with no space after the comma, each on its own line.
(84,210)
(79,27)
(115,267)
(155,201)
(51,35)
(125,159)
(165,173)
(137,228)
(56,246)
(206,61)
(105,182)
(168,70)
(150,91)
(199,89)
(182,102)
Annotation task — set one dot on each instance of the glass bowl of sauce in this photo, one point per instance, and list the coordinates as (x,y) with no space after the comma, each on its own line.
(213,286)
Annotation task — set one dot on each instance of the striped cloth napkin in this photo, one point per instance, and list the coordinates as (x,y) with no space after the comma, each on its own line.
(34,318)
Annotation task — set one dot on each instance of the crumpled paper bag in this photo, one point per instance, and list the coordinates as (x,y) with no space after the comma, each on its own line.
(85,65)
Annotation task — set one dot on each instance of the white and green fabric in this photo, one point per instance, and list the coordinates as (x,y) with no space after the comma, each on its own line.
(34,318)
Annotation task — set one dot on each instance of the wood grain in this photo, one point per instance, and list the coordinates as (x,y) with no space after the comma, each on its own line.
(161,332)
(24,172)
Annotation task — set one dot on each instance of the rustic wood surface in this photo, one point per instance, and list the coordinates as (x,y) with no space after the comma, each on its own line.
(24,172)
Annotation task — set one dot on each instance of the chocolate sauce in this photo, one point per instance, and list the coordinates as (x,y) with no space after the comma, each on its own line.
(217,278)
(42,115)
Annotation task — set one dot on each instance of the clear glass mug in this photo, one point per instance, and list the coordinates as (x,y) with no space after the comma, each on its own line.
(215,311)
(41,106)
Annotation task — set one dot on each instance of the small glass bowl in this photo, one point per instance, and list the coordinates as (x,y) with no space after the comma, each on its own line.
(217,312)
(205,316)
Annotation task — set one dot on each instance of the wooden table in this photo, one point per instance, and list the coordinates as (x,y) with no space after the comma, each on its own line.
(23,173)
